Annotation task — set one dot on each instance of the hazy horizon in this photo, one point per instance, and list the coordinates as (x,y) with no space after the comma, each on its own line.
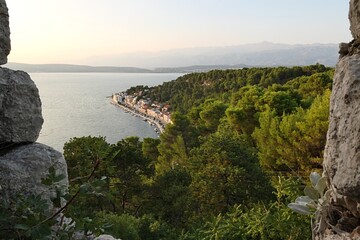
(264,54)
(72,32)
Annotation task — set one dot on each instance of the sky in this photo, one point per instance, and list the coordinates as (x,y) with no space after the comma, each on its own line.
(70,31)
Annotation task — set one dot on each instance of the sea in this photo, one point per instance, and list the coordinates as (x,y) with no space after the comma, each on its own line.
(78,104)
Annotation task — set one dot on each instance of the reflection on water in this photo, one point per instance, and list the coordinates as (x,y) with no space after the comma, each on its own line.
(75,105)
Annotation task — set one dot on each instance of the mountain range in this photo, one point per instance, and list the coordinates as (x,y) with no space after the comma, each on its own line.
(200,59)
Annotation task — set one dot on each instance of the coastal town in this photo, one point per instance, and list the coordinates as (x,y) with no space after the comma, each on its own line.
(156,114)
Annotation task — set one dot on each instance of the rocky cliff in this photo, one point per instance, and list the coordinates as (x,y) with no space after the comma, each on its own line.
(339,216)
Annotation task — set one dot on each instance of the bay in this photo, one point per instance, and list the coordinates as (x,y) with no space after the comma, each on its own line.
(76,105)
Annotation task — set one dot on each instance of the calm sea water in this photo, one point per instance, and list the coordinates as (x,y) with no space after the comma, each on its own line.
(75,105)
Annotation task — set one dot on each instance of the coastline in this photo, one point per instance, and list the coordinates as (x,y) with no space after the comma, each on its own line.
(159,127)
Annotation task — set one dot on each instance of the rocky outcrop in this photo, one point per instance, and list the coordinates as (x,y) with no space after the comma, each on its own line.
(340,212)
(23,168)
(20,108)
(342,151)
(4,33)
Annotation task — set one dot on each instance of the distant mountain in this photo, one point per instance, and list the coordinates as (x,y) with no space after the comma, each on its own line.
(72,68)
(257,54)
(198,68)
(200,59)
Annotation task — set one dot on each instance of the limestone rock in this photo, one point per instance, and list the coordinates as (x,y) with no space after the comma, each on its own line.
(20,108)
(22,169)
(342,151)
(4,33)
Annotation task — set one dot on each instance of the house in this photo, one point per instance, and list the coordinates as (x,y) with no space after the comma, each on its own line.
(166,117)
(152,112)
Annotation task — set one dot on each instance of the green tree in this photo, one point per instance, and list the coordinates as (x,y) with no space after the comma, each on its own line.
(87,160)
(212,112)
(299,138)
(262,221)
(149,148)
(281,99)
(244,113)
(171,197)
(224,172)
(82,154)
(176,141)
(128,171)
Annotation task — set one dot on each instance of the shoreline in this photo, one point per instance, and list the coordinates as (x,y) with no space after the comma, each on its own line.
(159,127)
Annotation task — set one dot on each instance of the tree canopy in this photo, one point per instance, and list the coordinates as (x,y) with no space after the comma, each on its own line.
(241,145)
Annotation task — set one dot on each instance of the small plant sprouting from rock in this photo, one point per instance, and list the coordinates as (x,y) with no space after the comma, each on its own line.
(316,201)
(313,198)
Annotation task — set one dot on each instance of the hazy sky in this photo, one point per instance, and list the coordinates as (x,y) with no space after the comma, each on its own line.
(69,31)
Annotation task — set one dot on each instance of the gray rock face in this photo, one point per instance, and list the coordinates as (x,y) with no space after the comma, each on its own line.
(20,107)
(342,151)
(21,169)
(4,33)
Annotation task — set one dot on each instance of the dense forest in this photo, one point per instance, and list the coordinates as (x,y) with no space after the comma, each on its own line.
(240,149)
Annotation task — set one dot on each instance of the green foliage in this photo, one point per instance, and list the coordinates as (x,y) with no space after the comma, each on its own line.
(175,143)
(224,172)
(208,176)
(29,216)
(316,201)
(81,155)
(151,229)
(123,167)
(280,100)
(122,226)
(309,87)
(125,226)
(211,113)
(263,221)
(299,137)
(149,149)
(127,172)
(22,216)
(172,197)
(243,114)
(194,89)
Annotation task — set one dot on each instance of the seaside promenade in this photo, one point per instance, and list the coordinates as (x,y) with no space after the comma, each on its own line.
(159,127)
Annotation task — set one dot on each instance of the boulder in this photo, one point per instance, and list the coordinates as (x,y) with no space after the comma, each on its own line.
(20,108)
(4,33)
(22,169)
(342,151)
